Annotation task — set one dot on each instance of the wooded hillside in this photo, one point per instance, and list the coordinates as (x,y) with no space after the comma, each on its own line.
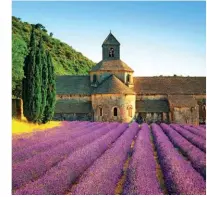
(66,60)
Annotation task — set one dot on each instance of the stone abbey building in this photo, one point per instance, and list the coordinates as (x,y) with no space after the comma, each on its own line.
(111,93)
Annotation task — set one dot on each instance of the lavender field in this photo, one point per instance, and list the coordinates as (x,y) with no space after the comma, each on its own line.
(110,158)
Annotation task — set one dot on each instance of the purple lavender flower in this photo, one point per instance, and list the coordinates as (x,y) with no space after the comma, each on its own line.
(103,175)
(29,139)
(36,166)
(180,177)
(194,139)
(195,155)
(141,178)
(195,131)
(59,178)
(53,141)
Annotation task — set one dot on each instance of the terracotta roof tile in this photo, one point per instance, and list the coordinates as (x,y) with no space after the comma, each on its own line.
(170,85)
(114,65)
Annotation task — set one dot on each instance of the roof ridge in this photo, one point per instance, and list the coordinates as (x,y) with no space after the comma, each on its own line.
(104,80)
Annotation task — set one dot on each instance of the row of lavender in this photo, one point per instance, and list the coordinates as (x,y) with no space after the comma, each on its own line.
(102,176)
(141,176)
(68,159)
(180,176)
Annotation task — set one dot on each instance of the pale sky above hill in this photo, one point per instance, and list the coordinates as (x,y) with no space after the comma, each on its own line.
(157,38)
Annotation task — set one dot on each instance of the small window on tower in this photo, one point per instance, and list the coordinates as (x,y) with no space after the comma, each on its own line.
(111,52)
(94,78)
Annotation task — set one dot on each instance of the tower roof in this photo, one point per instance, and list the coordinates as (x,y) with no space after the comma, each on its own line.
(113,85)
(111,40)
(115,65)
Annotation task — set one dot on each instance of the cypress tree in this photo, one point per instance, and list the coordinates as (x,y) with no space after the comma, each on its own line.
(51,91)
(32,82)
(29,73)
(44,78)
(37,97)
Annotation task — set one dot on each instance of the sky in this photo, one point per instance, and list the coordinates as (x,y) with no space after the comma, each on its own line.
(157,38)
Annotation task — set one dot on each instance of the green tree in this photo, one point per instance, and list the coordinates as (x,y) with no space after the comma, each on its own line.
(39,26)
(32,82)
(42,59)
(51,91)
(19,51)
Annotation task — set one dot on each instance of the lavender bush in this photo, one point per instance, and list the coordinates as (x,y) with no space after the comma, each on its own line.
(180,177)
(53,141)
(194,139)
(141,177)
(103,175)
(201,128)
(195,131)
(27,140)
(59,178)
(36,166)
(196,156)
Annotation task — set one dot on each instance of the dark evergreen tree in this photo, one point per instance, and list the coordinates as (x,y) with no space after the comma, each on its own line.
(51,91)
(31,83)
(29,73)
(44,78)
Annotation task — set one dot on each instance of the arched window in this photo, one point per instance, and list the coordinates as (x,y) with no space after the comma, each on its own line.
(100,111)
(94,78)
(130,111)
(115,111)
(111,52)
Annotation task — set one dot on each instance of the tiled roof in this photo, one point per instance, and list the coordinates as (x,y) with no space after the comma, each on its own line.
(114,65)
(170,85)
(182,101)
(72,106)
(113,85)
(152,106)
(110,39)
(68,84)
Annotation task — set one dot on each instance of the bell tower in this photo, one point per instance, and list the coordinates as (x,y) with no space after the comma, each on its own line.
(110,48)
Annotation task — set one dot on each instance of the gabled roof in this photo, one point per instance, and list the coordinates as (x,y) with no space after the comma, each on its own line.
(111,40)
(115,65)
(170,85)
(152,106)
(68,84)
(112,85)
